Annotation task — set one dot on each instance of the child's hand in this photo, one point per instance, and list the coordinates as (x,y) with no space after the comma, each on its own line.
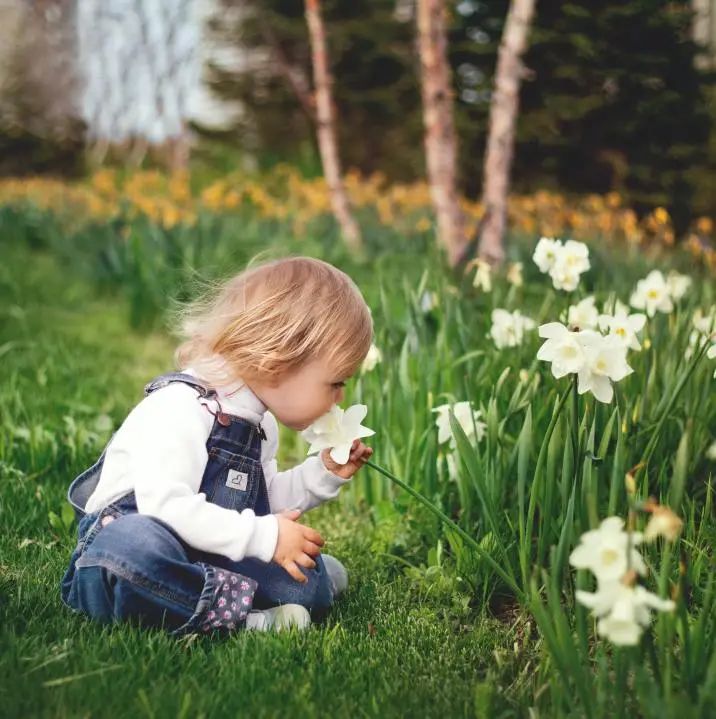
(296,544)
(360,453)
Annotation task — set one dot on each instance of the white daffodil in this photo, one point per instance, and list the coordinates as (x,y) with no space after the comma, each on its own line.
(450,461)
(584,314)
(514,274)
(598,361)
(564,263)
(562,349)
(572,261)
(652,294)
(605,362)
(508,328)
(464,415)
(711,452)
(545,254)
(623,325)
(371,359)
(624,610)
(705,322)
(677,284)
(337,429)
(483,275)
(604,551)
(428,301)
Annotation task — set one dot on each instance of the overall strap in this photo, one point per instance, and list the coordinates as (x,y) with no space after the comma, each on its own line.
(163,380)
(204,390)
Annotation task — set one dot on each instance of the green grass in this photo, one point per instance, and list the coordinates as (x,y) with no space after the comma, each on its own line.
(399,643)
(480,622)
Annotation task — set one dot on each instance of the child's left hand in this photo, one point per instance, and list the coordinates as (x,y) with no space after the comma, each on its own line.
(360,453)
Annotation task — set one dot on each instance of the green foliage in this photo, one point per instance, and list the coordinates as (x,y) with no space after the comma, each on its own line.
(549,466)
(612,99)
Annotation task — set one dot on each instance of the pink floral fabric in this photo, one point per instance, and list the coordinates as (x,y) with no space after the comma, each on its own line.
(232,600)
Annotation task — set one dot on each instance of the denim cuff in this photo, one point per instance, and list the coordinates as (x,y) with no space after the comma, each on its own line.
(224,604)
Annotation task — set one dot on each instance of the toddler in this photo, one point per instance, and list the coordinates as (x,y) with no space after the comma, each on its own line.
(184,520)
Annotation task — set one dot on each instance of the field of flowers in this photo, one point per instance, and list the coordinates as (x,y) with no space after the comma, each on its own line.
(555,420)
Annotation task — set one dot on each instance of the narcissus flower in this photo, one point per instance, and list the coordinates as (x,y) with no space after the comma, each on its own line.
(596,360)
(584,314)
(605,362)
(508,328)
(623,325)
(464,415)
(545,254)
(624,610)
(652,294)
(677,284)
(564,263)
(604,551)
(337,429)
(514,274)
(371,359)
(483,275)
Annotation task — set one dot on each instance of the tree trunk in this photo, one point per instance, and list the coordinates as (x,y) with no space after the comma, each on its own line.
(325,127)
(501,136)
(440,138)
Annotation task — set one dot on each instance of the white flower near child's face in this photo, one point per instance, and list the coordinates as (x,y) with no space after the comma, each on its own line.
(623,326)
(464,415)
(371,359)
(677,284)
(336,430)
(508,328)
(652,294)
(584,314)
(605,362)
(623,610)
(604,551)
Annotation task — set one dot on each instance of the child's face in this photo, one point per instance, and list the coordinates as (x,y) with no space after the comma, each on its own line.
(301,398)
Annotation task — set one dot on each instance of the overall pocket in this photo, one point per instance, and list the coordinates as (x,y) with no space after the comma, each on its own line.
(231,480)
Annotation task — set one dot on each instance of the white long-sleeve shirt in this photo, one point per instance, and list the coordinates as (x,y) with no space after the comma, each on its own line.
(160,452)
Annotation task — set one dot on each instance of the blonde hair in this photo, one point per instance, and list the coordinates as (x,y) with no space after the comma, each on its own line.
(272,318)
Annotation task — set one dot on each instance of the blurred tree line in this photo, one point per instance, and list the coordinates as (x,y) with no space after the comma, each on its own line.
(613,98)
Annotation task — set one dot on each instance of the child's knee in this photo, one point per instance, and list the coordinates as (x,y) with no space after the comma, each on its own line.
(135,542)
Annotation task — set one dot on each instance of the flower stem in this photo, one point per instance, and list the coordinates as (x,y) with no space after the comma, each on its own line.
(470,540)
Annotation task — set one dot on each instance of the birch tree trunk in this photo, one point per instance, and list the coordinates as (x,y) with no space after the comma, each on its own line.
(440,138)
(501,134)
(326,127)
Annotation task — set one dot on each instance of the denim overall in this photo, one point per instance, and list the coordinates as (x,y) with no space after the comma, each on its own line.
(131,566)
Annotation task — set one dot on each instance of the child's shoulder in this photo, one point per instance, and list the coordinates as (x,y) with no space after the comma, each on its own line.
(174,402)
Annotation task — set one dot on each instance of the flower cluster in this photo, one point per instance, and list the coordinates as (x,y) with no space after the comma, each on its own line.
(596,359)
(621,605)
(508,328)
(467,417)
(564,262)
(656,292)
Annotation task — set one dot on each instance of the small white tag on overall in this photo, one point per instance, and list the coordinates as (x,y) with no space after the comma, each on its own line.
(236,479)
